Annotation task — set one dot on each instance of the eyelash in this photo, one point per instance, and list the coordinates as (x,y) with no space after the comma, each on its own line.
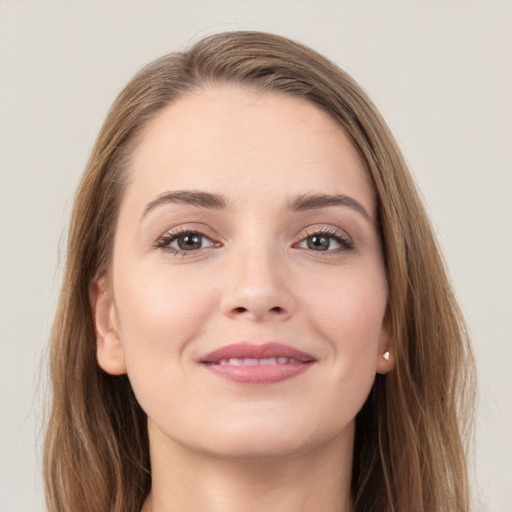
(338,236)
(346,244)
(169,237)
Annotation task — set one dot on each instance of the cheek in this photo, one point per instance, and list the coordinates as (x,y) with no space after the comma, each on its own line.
(159,313)
(348,305)
(348,312)
(352,326)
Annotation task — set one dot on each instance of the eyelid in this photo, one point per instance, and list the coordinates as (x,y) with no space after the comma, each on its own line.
(340,235)
(172,234)
(343,239)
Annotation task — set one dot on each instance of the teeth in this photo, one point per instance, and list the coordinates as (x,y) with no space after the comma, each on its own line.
(249,361)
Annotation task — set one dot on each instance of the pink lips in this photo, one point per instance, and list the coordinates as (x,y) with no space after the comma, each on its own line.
(257,364)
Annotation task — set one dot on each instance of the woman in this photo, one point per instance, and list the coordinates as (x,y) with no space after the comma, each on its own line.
(255,315)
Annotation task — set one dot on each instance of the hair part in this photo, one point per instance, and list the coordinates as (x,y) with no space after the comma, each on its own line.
(409,451)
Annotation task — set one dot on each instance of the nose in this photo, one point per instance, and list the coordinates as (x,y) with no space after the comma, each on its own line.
(257,287)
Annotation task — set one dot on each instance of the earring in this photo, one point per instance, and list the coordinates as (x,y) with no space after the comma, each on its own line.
(386,356)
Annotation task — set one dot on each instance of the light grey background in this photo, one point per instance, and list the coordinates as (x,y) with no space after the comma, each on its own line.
(439,70)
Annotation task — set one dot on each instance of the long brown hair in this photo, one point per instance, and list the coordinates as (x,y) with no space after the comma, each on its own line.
(409,452)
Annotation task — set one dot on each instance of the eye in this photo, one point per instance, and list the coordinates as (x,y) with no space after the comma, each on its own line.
(326,241)
(184,241)
(320,243)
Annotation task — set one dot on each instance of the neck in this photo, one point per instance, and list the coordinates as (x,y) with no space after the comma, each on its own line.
(317,480)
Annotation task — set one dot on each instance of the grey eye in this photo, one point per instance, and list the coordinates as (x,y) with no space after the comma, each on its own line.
(190,242)
(320,243)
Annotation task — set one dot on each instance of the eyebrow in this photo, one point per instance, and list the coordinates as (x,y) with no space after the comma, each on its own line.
(316,201)
(190,197)
(299,203)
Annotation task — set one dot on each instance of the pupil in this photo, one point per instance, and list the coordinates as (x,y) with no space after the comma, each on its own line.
(318,243)
(188,242)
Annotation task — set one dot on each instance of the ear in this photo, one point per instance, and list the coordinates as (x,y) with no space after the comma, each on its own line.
(386,349)
(109,349)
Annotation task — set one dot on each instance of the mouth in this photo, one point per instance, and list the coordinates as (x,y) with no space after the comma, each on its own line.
(248,363)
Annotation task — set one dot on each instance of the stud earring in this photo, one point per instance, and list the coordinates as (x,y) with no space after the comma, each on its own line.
(386,356)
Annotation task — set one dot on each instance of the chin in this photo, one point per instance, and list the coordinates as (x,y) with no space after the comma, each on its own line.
(270,438)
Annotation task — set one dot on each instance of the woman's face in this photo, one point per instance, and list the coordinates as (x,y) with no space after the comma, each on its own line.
(248,290)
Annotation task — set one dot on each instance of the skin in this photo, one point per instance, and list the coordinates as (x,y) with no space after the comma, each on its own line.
(218,445)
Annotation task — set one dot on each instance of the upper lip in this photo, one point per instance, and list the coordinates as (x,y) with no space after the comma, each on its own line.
(245,349)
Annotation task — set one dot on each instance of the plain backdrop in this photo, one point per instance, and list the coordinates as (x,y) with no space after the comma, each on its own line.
(440,71)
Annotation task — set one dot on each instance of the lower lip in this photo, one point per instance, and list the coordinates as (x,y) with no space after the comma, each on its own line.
(259,374)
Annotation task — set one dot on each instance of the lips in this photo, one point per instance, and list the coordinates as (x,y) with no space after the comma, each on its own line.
(248,363)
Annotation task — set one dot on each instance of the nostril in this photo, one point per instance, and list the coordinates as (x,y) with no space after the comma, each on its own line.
(275,309)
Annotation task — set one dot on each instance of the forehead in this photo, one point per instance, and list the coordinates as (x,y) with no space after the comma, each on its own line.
(226,137)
